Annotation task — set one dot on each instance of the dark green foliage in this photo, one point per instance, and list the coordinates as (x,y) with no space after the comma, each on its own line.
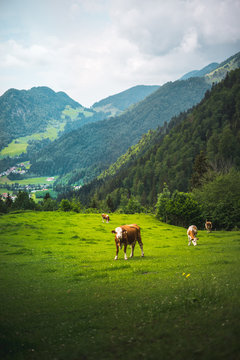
(9,202)
(3,207)
(65,205)
(49,205)
(95,146)
(200,168)
(220,200)
(23,202)
(179,209)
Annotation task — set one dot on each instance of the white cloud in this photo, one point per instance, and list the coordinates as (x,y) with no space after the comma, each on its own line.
(94,48)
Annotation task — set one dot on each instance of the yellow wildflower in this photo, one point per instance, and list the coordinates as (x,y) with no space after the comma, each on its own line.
(183,274)
(187,276)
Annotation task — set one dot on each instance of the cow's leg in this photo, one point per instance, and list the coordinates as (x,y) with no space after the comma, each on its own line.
(125,251)
(141,246)
(132,248)
(117,250)
(189,240)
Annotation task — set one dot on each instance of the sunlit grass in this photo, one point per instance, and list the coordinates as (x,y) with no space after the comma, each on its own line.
(64,297)
(28,181)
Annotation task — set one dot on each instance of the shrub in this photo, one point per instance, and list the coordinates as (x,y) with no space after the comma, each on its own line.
(65,205)
(220,200)
(179,209)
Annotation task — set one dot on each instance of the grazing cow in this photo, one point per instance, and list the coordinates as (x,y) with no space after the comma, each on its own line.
(208,226)
(105,217)
(191,233)
(127,235)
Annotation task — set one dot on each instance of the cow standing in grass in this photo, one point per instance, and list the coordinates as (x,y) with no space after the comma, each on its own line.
(105,217)
(208,226)
(127,235)
(191,233)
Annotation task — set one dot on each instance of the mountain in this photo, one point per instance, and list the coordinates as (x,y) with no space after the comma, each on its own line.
(210,130)
(221,71)
(27,112)
(215,72)
(199,73)
(82,155)
(95,146)
(115,104)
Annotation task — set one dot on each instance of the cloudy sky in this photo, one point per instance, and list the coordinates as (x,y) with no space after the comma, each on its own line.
(95,48)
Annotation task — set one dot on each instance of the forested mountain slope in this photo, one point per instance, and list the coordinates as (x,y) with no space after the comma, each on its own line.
(210,130)
(95,146)
(117,103)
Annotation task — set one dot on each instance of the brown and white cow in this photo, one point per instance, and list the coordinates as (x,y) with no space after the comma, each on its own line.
(191,233)
(208,226)
(105,217)
(127,235)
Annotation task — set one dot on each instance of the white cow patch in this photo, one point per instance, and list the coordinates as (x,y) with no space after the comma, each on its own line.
(118,232)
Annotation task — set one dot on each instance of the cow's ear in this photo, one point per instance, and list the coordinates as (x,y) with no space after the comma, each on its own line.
(113,231)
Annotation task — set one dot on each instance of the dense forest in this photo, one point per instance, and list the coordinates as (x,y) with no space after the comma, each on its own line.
(192,149)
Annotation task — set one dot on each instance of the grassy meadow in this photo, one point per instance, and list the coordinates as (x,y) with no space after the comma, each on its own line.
(63,296)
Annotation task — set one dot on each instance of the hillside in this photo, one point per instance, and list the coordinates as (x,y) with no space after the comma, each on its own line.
(95,146)
(115,104)
(35,111)
(221,71)
(213,127)
(199,73)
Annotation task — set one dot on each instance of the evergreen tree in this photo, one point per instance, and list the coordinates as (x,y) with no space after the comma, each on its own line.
(200,168)
(8,202)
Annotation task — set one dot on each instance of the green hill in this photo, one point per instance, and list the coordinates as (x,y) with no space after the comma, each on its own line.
(38,114)
(168,155)
(115,104)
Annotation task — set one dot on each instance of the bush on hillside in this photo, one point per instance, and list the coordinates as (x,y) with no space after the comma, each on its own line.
(178,208)
(23,202)
(220,200)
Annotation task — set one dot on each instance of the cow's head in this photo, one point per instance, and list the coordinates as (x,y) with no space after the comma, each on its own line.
(119,235)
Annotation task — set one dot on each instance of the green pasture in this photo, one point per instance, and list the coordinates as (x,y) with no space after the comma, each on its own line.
(28,181)
(63,296)
(73,113)
(19,145)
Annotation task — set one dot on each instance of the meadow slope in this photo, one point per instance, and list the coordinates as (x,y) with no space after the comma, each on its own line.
(64,297)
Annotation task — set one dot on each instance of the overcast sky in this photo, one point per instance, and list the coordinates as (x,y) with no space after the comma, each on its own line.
(95,48)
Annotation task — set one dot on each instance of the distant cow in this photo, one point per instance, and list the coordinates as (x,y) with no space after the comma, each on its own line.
(208,226)
(191,233)
(105,217)
(127,235)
